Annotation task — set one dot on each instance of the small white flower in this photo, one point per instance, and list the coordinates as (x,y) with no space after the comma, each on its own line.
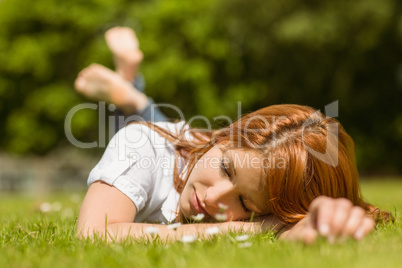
(220,217)
(152,230)
(212,231)
(56,206)
(45,207)
(199,217)
(188,238)
(222,207)
(174,226)
(242,237)
(245,245)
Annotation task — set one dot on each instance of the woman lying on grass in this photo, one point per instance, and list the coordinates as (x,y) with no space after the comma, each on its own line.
(286,168)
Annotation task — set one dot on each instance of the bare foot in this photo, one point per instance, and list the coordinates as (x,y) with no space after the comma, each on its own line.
(124,45)
(99,83)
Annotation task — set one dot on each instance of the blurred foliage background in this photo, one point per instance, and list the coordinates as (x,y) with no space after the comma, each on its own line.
(204,57)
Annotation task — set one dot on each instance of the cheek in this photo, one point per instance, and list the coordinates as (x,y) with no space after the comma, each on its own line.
(194,175)
(206,173)
(239,216)
(184,204)
(181,200)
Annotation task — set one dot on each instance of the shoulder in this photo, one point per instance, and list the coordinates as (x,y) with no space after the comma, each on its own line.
(180,130)
(135,128)
(140,135)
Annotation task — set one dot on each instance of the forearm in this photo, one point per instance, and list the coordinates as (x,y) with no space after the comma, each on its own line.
(121,231)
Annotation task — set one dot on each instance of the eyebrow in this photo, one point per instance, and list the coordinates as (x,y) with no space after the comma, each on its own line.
(232,165)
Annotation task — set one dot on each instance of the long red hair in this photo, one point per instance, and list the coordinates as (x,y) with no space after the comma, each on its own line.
(306,155)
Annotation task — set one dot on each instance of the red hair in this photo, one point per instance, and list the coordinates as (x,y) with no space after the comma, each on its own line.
(316,157)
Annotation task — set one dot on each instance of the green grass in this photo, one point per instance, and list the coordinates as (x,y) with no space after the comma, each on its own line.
(30,238)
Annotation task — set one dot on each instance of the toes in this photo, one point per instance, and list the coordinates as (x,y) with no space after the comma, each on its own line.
(88,70)
(79,84)
(121,38)
(95,66)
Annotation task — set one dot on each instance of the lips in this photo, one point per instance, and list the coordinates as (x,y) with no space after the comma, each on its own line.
(196,204)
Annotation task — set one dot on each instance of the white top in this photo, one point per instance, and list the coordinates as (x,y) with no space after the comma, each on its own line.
(140,163)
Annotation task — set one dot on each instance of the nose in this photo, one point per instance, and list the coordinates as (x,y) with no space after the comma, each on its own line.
(220,192)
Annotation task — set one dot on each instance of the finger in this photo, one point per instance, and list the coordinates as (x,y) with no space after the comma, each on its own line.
(304,233)
(309,236)
(367,225)
(342,208)
(321,210)
(354,221)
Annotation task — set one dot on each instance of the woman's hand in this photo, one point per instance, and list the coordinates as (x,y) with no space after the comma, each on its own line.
(334,219)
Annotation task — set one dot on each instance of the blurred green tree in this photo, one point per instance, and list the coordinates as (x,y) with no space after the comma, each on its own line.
(204,57)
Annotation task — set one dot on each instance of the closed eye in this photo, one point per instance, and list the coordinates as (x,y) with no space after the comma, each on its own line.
(224,168)
(225,172)
(243,205)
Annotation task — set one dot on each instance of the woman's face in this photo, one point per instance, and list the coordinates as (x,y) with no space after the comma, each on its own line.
(232,178)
